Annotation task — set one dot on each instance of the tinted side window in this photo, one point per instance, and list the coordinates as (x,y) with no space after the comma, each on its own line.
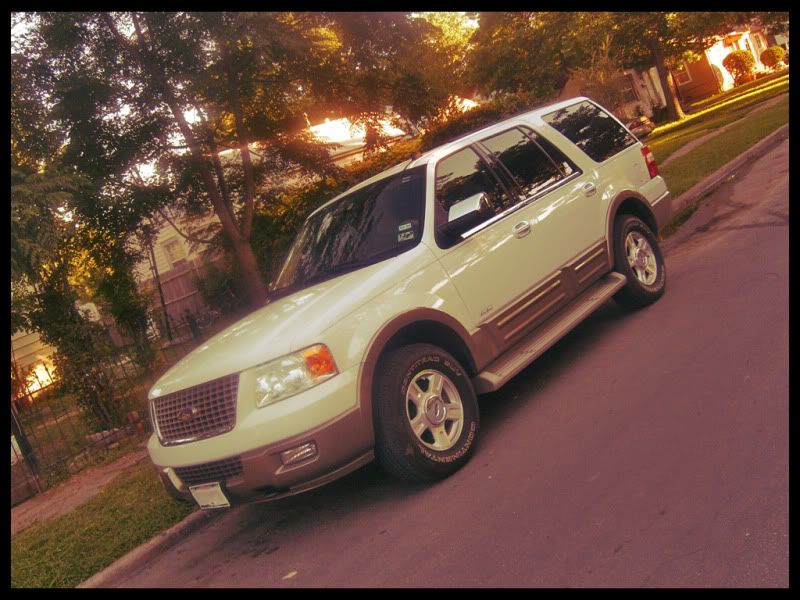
(461,176)
(524,159)
(564,164)
(591,129)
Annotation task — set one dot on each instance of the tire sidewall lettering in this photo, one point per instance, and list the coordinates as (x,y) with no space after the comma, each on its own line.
(451,456)
(456,374)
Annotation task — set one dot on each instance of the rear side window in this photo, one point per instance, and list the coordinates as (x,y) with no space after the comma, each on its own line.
(530,167)
(592,129)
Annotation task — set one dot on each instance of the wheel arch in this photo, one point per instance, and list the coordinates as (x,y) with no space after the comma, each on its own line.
(417,326)
(628,203)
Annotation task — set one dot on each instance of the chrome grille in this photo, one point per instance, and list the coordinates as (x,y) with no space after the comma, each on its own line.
(214,471)
(197,412)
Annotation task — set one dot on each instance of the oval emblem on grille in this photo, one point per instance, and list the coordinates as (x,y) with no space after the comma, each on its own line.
(187,414)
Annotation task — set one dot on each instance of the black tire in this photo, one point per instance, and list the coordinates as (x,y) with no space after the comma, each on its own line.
(408,455)
(639,291)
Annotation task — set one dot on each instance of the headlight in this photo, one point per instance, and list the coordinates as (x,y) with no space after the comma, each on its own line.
(292,374)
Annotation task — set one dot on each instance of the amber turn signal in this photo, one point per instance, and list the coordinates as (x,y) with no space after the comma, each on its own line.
(319,361)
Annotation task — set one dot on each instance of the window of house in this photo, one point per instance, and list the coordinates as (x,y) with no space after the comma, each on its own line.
(175,251)
(628,88)
(592,129)
(459,177)
(681,74)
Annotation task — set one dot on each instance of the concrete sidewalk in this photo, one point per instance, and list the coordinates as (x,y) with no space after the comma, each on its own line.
(70,494)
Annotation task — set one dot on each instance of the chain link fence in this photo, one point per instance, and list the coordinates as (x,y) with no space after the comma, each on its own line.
(53,435)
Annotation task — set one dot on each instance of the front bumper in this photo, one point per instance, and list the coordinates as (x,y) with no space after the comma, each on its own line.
(343,440)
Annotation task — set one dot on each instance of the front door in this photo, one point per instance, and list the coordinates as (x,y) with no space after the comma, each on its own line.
(507,268)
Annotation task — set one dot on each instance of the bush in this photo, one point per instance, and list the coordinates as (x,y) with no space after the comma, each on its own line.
(476,118)
(740,64)
(220,289)
(772,57)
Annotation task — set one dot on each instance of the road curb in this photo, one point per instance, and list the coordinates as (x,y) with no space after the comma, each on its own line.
(710,183)
(141,555)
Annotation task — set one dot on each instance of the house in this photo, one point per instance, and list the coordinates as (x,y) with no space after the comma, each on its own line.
(707,76)
(33,359)
(779,39)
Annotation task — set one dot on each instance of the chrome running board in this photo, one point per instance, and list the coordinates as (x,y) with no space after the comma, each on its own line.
(524,352)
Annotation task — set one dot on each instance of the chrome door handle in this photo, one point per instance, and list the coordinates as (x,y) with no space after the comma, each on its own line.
(589,188)
(521,229)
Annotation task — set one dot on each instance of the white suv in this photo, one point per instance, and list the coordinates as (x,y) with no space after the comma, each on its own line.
(404,297)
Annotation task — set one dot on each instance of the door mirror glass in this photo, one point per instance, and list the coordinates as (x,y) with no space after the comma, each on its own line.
(476,203)
(466,214)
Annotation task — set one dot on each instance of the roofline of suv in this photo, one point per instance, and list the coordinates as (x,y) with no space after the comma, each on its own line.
(436,152)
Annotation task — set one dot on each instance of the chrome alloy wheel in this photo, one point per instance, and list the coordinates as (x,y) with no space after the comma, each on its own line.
(641,258)
(434,410)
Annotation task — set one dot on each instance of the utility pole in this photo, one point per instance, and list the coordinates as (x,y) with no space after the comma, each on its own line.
(152,259)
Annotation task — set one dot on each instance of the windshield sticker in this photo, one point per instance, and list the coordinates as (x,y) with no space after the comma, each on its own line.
(405,231)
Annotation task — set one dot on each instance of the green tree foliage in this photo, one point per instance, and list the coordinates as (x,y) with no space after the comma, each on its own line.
(219,102)
(478,117)
(740,64)
(43,246)
(531,52)
(646,39)
(538,52)
(772,57)
(602,76)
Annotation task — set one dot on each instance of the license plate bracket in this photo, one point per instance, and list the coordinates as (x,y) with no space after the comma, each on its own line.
(209,495)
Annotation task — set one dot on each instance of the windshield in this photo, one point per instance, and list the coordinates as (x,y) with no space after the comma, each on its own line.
(366,226)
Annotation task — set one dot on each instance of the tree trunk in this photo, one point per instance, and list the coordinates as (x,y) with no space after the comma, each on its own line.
(674,110)
(256,289)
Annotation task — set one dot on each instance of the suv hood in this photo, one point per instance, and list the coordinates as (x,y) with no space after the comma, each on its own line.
(274,329)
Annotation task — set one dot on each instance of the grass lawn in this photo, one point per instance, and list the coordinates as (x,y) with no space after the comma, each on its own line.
(66,550)
(685,171)
(728,108)
(747,87)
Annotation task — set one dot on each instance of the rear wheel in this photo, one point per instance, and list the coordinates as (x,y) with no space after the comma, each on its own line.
(425,413)
(638,257)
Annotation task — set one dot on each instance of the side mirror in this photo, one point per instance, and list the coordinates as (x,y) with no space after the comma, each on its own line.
(476,203)
(465,215)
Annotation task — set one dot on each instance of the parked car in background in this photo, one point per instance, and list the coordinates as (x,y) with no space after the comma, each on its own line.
(407,295)
(641,127)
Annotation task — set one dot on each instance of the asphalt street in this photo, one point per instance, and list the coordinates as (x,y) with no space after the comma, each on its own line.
(646,449)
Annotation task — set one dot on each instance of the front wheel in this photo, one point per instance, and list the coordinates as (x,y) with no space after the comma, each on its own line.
(638,257)
(425,413)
